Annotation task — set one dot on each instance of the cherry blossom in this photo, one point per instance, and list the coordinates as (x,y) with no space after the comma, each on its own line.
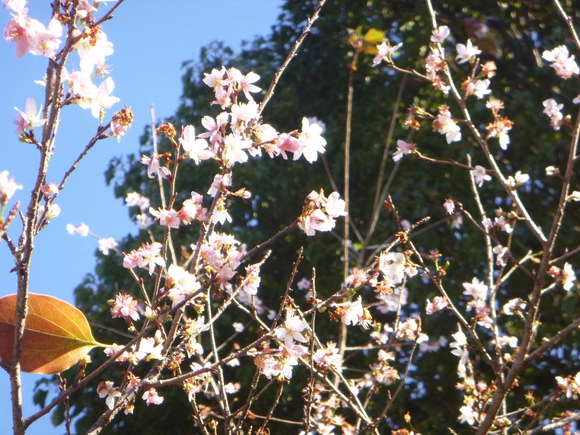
(481,88)
(168,218)
(568,277)
(403,148)
(125,306)
(100,98)
(328,357)
(392,265)
(151,397)
(439,303)
(449,205)
(22,29)
(480,175)
(135,198)
(45,39)
(51,212)
(196,149)
(233,152)
(562,62)
(247,86)
(105,245)
(180,284)
(214,127)
(335,206)
(93,48)
(148,255)
(292,330)
(385,51)
(475,289)
(30,118)
(81,229)
(500,128)
(502,255)
(352,312)
(466,52)
(317,221)
(553,110)
(106,390)
(7,187)
(310,141)
(446,125)
(440,34)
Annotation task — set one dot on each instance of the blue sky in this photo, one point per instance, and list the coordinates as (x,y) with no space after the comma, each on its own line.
(151,40)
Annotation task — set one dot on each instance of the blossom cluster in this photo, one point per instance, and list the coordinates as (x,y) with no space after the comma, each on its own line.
(319,212)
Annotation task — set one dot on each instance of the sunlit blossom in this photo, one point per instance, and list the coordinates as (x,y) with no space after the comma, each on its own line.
(466,52)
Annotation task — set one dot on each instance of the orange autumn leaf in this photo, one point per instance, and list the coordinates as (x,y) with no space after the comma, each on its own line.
(56,336)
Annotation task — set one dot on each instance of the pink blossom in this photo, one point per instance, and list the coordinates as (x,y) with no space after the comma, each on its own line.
(317,221)
(244,113)
(152,164)
(385,51)
(51,212)
(49,189)
(214,127)
(105,245)
(562,62)
(168,218)
(449,205)
(93,48)
(310,140)
(286,143)
(82,229)
(403,148)
(106,390)
(180,284)
(214,79)
(101,98)
(328,357)
(392,265)
(252,280)
(125,306)
(148,255)
(335,206)
(568,277)
(45,41)
(480,175)
(502,255)
(118,130)
(292,330)
(553,110)
(440,34)
(446,125)
(30,118)
(439,303)
(481,88)
(195,148)
(466,52)
(7,187)
(234,147)
(135,198)
(475,289)
(247,86)
(21,29)
(219,181)
(352,312)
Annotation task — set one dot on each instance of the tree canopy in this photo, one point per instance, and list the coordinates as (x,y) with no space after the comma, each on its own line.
(316,84)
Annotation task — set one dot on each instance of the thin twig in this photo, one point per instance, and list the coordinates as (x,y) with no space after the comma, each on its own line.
(290,56)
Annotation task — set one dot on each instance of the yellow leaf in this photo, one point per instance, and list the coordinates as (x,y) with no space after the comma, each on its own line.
(374,36)
(57,335)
